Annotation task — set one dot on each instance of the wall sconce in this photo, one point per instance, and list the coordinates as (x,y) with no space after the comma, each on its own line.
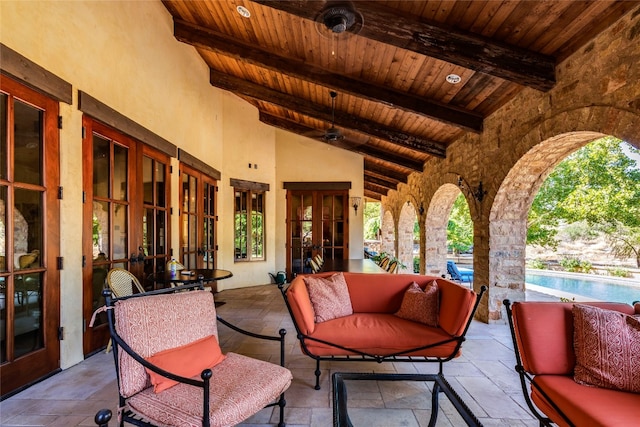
(355,202)
(478,193)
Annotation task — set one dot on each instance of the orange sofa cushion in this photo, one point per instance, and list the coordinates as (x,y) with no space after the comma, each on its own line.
(585,405)
(187,361)
(379,334)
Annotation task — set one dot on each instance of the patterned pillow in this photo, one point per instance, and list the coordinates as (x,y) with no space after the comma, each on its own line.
(421,306)
(607,347)
(329,297)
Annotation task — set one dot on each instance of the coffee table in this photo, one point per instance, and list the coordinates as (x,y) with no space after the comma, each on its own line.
(340,409)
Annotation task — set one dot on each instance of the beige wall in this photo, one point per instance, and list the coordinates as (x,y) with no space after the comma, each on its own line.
(141,71)
(303,159)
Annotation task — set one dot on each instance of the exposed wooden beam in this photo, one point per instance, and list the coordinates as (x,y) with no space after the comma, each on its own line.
(373,195)
(378,170)
(207,39)
(380,181)
(458,47)
(321,112)
(376,188)
(363,149)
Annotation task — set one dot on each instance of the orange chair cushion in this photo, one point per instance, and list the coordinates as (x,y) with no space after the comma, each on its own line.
(187,361)
(607,347)
(544,333)
(585,405)
(420,306)
(240,387)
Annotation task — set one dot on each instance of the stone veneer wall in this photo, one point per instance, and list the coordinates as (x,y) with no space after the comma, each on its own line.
(405,240)
(597,93)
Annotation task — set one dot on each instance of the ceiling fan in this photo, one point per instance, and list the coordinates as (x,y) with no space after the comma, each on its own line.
(332,133)
(338,17)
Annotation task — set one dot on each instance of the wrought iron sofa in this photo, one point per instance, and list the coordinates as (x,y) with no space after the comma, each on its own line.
(177,326)
(544,343)
(374,333)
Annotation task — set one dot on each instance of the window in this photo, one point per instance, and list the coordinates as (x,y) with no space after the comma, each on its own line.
(249,225)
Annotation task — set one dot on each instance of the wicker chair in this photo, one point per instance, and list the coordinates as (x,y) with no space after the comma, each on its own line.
(314,266)
(393,266)
(122,283)
(319,260)
(158,338)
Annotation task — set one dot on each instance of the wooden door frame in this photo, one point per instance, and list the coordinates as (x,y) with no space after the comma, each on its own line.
(95,338)
(317,191)
(202,178)
(39,363)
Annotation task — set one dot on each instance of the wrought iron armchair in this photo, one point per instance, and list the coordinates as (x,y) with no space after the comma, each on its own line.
(175,321)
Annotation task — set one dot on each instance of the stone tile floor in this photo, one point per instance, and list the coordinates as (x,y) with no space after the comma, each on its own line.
(483,376)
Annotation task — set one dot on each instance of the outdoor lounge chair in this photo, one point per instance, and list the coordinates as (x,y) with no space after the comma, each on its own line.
(459,274)
(171,371)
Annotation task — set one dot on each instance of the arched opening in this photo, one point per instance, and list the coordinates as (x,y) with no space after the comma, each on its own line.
(509,213)
(583,236)
(436,224)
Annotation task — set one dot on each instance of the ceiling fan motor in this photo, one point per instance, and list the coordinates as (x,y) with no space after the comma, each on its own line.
(338,19)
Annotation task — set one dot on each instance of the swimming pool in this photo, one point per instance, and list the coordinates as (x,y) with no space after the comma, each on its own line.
(599,288)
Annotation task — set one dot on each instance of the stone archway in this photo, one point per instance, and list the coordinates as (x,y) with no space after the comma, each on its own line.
(510,208)
(437,220)
(405,237)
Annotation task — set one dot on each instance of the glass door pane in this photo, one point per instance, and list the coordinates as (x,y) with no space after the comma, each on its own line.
(107,240)
(155,213)
(316,225)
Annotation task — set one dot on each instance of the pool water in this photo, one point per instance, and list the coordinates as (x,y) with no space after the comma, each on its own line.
(592,287)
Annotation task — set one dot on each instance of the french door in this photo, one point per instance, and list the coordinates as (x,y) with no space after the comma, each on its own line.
(198,247)
(29,235)
(317,224)
(126,221)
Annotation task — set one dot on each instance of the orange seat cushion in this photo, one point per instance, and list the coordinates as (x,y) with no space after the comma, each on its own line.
(585,405)
(378,334)
(186,361)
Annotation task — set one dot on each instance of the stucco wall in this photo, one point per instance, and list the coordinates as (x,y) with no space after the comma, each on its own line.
(302,159)
(124,54)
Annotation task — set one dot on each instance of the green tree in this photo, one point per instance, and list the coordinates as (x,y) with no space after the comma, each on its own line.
(460,226)
(598,184)
(371,220)
(625,242)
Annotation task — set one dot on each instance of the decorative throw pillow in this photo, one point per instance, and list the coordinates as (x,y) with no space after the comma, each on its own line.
(420,306)
(187,361)
(329,297)
(607,348)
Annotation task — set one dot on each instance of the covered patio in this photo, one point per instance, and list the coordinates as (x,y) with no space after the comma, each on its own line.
(483,376)
(141,131)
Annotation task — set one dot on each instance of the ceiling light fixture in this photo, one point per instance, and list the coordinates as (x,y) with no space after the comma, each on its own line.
(243,11)
(454,79)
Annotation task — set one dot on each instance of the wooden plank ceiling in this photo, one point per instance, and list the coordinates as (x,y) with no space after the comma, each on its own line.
(389,68)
